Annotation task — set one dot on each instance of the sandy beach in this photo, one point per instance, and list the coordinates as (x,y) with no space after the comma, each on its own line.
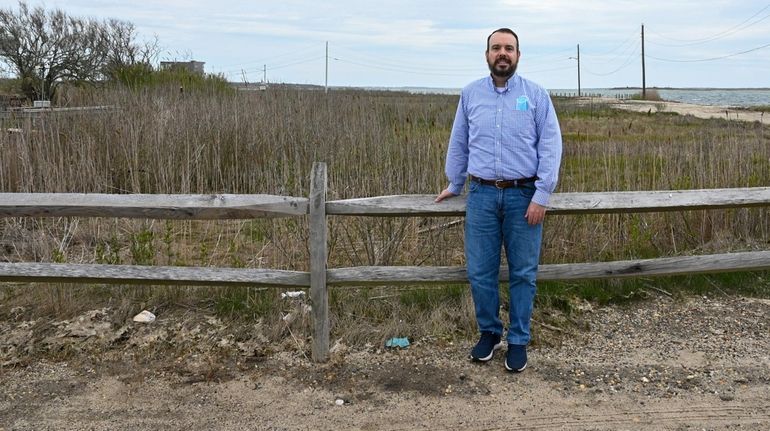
(700,111)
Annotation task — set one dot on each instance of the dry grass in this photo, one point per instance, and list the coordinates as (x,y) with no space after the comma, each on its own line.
(374,144)
(649,94)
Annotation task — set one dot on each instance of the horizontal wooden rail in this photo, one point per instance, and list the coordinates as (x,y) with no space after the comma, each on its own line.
(161,275)
(190,207)
(393,275)
(564,203)
(228,206)
(373,275)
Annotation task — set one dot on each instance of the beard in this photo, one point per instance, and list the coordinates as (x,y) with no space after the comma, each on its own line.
(502,67)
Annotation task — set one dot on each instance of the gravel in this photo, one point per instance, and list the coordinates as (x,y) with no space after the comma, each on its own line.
(694,363)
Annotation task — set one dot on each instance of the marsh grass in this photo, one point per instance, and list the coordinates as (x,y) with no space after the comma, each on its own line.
(605,292)
(650,94)
(375,143)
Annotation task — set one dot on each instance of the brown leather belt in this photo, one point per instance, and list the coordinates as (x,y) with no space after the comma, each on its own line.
(503,184)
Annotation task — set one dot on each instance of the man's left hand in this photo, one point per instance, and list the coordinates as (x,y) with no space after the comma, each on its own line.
(535,214)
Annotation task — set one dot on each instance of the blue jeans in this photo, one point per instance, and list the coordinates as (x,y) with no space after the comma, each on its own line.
(495,217)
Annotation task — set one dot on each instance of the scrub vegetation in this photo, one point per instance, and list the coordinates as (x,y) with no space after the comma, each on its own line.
(209,139)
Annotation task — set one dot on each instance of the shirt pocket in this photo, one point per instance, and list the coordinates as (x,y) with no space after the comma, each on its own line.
(522,124)
(482,121)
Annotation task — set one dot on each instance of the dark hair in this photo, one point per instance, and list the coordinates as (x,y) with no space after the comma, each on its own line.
(504,30)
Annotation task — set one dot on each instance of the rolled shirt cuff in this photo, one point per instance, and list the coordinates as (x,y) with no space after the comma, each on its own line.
(456,189)
(541,198)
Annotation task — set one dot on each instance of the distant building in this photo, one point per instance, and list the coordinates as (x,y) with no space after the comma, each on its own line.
(192,66)
(11,101)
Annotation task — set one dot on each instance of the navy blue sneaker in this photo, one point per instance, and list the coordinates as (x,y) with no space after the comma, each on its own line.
(516,359)
(485,348)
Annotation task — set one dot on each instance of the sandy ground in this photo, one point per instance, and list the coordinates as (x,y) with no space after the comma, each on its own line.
(671,364)
(700,111)
(665,364)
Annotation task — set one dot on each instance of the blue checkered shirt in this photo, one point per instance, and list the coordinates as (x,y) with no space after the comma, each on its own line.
(505,133)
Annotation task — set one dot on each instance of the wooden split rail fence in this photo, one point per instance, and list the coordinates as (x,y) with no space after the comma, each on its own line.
(226,206)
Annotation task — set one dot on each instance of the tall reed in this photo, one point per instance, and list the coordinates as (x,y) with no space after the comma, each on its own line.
(375,143)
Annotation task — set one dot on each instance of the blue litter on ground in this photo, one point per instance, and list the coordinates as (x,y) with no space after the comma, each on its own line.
(397,342)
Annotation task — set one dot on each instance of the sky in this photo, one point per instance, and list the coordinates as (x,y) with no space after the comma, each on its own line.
(440,44)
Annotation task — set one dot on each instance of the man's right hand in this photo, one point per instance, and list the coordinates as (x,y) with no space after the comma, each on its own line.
(446,194)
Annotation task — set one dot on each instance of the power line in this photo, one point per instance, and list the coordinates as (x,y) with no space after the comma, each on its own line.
(549,54)
(548,70)
(397,69)
(630,38)
(712,58)
(264,69)
(433,72)
(295,63)
(258,69)
(625,64)
(716,36)
(629,46)
(625,55)
(564,59)
(269,59)
(399,64)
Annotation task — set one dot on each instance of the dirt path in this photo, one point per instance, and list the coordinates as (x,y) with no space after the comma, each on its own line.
(698,363)
(700,111)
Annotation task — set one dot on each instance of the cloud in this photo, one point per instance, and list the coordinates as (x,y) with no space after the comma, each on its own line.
(445,35)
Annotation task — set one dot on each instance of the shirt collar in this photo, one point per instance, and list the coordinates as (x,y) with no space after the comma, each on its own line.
(509,84)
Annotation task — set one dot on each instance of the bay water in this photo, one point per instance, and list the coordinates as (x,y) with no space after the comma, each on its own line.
(743,97)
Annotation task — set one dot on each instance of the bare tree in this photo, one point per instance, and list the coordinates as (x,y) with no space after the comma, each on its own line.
(46,49)
(122,48)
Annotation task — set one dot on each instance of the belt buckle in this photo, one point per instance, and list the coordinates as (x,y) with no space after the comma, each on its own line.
(498,184)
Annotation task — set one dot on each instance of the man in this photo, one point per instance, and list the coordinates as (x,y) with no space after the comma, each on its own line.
(506,140)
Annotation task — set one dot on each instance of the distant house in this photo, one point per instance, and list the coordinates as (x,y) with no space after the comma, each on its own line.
(192,66)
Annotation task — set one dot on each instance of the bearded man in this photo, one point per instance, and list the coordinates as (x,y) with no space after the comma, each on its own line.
(506,142)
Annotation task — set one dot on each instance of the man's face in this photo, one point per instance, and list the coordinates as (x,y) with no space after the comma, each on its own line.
(502,54)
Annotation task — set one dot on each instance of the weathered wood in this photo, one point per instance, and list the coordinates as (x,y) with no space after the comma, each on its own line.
(680,265)
(166,275)
(227,206)
(319,278)
(319,293)
(659,200)
(397,205)
(192,207)
(564,203)
(387,275)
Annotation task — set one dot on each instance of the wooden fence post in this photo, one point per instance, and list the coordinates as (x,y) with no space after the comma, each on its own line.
(319,294)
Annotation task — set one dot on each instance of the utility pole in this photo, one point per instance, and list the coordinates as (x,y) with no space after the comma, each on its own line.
(42,83)
(578,67)
(644,79)
(578,61)
(326,78)
(264,74)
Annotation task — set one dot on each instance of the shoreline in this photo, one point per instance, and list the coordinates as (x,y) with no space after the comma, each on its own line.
(691,88)
(682,108)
